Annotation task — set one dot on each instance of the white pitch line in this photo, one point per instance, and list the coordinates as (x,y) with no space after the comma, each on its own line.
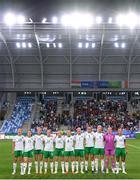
(133,146)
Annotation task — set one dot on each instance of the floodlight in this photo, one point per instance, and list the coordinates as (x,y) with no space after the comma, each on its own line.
(10,19)
(18,45)
(93,45)
(121,19)
(98,20)
(87,20)
(24,45)
(86,45)
(80,45)
(81,20)
(18,36)
(116,38)
(60,45)
(23,36)
(131,20)
(65,20)
(77,20)
(110,20)
(48,45)
(44,20)
(29,45)
(54,20)
(54,45)
(116,45)
(20,19)
(123,45)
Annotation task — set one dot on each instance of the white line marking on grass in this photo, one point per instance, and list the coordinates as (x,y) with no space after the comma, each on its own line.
(133,146)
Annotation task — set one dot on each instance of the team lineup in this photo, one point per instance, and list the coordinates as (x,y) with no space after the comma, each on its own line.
(77,153)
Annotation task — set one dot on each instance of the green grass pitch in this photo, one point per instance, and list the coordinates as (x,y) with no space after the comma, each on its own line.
(132,164)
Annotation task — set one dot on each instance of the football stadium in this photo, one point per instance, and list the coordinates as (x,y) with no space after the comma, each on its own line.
(69,89)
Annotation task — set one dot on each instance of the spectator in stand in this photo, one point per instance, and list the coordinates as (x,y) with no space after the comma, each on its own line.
(103,112)
(48,118)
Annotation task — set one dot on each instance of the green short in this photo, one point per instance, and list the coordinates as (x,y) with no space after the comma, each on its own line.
(69,153)
(28,154)
(89,150)
(59,152)
(99,151)
(120,152)
(79,152)
(48,154)
(18,154)
(38,151)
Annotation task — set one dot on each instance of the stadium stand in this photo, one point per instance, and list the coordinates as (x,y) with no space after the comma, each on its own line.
(21,113)
(48,115)
(86,112)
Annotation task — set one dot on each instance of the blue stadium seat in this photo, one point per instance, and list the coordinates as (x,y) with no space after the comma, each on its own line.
(20,114)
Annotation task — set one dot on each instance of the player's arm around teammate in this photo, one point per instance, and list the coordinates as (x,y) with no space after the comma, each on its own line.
(48,151)
(69,151)
(89,149)
(79,151)
(59,152)
(120,150)
(17,151)
(28,151)
(99,148)
(38,152)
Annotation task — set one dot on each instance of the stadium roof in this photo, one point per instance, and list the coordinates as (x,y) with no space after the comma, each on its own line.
(48,45)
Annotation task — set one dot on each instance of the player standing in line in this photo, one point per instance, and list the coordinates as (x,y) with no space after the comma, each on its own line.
(48,151)
(38,139)
(99,148)
(17,151)
(79,150)
(121,150)
(59,152)
(109,149)
(69,151)
(89,149)
(28,151)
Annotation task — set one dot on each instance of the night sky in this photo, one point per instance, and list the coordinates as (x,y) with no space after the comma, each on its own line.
(36,9)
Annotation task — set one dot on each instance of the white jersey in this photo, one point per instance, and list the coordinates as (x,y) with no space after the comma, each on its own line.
(49,143)
(99,140)
(79,141)
(69,143)
(19,143)
(29,143)
(120,141)
(38,142)
(59,142)
(89,139)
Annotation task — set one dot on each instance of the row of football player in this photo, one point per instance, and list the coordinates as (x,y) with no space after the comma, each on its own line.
(77,149)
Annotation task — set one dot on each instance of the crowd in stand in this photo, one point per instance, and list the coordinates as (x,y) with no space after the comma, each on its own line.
(135,103)
(88,112)
(48,119)
(103,112)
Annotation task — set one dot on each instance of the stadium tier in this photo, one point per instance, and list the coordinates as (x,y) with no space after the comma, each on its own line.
(51,113)
(20,114)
